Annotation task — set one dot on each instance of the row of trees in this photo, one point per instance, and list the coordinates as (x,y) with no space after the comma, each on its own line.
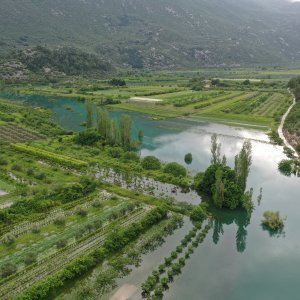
(109,130)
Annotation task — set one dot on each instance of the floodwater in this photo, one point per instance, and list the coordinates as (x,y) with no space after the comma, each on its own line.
(238,259)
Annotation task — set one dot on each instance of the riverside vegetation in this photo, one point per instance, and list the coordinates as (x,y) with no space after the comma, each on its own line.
(76,201)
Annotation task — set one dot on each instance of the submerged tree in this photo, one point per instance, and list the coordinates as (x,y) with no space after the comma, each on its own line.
(215,150)
(89,113)
(219,190)
(243,163)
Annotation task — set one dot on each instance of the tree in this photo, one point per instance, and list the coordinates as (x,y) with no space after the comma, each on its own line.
(215,150)
(141,136)
(219,190)
(273,220)
(125,130)
(243,163)
(175,169)
(87,138)
(151,163)
(188,158)
(199,213)
(103,123)
(89,113)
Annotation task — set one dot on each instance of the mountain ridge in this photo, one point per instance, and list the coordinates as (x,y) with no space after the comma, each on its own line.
(159,33)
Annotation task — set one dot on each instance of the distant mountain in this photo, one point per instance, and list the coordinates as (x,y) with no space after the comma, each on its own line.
(159,33)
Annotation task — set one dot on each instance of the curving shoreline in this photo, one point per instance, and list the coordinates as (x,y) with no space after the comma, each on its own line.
(280,128)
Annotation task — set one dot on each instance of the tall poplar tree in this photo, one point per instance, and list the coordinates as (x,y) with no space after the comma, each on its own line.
(89,113)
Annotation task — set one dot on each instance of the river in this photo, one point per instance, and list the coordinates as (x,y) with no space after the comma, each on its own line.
(238,259)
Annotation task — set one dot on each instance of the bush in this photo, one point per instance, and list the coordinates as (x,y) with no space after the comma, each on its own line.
(81,212)
(3,162)
(30,258)
(131,156)
(60,220)
(116,152)
(175,169)
(8,269)
(151,163)
(87,138)
(199,213)
(273,220)
(96,203)
(188,158)
(286,167)
(16,167)
(36,229)
(61,243)
(8,239)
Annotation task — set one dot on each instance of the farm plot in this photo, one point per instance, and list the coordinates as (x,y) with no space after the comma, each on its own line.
(15,284)
(10,133)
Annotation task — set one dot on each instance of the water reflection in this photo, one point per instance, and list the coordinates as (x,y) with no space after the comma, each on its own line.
(225,217)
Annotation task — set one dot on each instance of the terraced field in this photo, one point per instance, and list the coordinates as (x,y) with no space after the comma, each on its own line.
(11,133)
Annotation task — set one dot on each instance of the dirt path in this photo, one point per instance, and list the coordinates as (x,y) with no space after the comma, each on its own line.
(280,128)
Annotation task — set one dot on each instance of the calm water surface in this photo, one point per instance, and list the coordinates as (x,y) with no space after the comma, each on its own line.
(238,259)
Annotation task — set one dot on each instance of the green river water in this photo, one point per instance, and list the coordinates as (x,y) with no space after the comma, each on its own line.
(238,259)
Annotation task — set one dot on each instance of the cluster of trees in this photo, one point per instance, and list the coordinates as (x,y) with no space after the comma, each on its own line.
(108,130)
(227,186)
(117,82)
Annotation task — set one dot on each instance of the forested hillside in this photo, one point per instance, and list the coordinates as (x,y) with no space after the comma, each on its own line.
(165,33)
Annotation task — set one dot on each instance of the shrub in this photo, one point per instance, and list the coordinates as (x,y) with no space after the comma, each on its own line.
(8,239)
(8,269)
(175,169)
(285,166)
(199,213)
(81,212)
(131,156)
(188,158)
(16,167)
(97,203)
(151,163)
(273,220)
(30,258)
(3,161)
(115,152)
(60,220)
(61,243)
(87,138)
(36,229)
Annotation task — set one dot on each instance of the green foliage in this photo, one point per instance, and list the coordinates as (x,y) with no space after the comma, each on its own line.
(8,269)
(30,258)
(199,213)
(188,158)
(175,169)
(117,82)
(286,166)
(273,220)
(151,163)
(89,113)
(87,137)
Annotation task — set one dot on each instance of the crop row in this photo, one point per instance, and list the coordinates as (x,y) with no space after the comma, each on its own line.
(19,281)
(171,267)
(218,100)
(12,134)
(59,158)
